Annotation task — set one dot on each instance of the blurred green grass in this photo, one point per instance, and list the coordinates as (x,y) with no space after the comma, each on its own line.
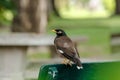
(98,32)
(39,56)
(112,22)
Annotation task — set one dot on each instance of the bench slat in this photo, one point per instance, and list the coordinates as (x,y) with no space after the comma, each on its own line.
(27,39)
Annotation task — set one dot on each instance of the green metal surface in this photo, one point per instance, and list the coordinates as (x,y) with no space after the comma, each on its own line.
(91,71)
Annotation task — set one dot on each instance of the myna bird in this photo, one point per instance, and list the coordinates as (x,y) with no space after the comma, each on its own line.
(65,47)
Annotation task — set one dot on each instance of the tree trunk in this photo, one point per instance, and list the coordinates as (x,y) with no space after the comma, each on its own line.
(117,7)
(52,8)
(31,17)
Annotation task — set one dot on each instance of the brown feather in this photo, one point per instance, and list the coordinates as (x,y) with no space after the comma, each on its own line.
(64,43)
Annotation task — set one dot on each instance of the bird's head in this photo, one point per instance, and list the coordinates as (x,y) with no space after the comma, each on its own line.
(59,32)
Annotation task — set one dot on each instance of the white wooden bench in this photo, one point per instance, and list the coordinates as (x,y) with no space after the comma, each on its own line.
(13,49)
(115,41)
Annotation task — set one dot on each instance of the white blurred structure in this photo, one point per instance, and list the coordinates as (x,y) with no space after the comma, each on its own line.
(96,5)
(13,50)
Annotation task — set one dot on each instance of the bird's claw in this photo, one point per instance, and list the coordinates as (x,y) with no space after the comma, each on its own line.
(70,63)
(67,62)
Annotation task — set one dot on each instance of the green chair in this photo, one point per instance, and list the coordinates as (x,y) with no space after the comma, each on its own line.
(90,71)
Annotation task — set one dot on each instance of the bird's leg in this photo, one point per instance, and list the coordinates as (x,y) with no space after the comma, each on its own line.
(65,61)
(69,62)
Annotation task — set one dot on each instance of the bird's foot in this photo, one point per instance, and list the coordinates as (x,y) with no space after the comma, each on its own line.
(65,61)
(70,63)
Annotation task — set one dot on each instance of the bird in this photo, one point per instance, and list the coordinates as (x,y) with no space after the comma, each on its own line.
(66,48)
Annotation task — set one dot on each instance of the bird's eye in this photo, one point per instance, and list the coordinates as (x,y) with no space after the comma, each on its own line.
(59,32)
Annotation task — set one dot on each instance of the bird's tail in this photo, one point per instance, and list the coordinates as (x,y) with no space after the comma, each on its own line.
(78,63)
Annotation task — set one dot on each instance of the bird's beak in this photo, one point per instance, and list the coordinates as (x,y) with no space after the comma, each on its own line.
(53,31)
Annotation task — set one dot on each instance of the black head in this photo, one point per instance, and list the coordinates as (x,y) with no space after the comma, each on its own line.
(59,32)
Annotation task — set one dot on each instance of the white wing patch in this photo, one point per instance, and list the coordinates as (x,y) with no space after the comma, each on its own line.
(60,51)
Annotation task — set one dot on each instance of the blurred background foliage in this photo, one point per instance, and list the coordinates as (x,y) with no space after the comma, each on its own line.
(95,19)
(85,8)
(66,8)
(7,11)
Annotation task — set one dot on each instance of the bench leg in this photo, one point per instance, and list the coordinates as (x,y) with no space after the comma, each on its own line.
(12,63)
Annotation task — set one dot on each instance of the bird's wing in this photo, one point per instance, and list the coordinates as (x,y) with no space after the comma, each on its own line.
(77,51)
(66,47)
